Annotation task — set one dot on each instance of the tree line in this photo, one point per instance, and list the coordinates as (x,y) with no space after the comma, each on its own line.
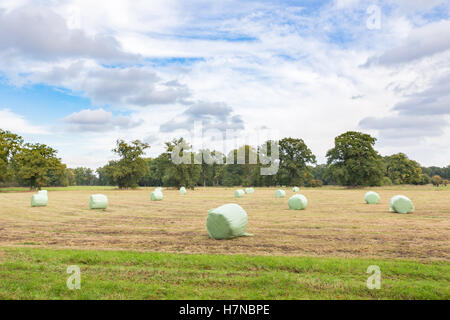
(353,162)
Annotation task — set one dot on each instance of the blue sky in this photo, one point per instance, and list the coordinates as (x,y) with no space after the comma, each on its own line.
(78,75)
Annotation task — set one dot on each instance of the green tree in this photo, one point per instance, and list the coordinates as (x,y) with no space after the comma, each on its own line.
(442,172)
(57,176)
(425,179)
(319,173)
(129,170)
(402,170)
(84,177)
(210,162)
(147,179)
(266,158)
(36,164)
(107,174)
(179,174)
(10,143)
(241,171)
(70,176)
(294,159)
(354,162)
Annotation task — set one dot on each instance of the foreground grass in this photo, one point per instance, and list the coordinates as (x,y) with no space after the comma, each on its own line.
(41,274)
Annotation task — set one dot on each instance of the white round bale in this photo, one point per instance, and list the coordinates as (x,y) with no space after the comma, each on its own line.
(298,202)
(227,222)
(239,193)
(372,197)
(280,194)
(98,201)
(401,204)
(249,190)
(157,196)
(39,200)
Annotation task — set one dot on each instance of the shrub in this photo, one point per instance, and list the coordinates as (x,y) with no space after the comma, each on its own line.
(316,183)
(386,182)
(436,180)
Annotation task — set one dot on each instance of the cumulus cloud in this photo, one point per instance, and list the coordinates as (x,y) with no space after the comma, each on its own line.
(131,86)
(277,64)
(99,120)
(422,42)
(40,33)
(433,101)
(212,115)
(405,127)
(421,115)
(18,124)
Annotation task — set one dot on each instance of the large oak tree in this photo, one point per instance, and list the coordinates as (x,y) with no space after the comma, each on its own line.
(354,162)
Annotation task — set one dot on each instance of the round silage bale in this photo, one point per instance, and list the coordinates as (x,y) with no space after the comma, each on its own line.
(39,200)
(43,192)
(298,202)
(249,190)
(372,197)
(227,222)
(401,204)
(280,194)
(239,193)
(98,201)
(183,191)
(157,196)
(296,189)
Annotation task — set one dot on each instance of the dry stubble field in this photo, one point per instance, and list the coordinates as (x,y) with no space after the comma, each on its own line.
(337,223)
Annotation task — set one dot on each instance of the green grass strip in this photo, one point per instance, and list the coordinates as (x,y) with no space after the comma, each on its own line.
(41,274)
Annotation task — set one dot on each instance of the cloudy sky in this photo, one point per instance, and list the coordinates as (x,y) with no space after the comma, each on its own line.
(79,74)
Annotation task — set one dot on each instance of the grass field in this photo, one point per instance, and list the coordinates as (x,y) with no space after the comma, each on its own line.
(41,274)
(322,252)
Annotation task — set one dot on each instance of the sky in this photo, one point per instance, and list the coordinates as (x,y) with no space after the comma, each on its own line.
(78,75)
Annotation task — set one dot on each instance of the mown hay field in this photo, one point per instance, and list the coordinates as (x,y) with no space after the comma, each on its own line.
(337,223)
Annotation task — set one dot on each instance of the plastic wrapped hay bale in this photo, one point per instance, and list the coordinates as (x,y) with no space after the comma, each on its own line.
(227,222)
(401,204)
(43,192)
(280,194)
(98,201)
(239,193)
(249,190)
(372,197)
(296,189)
(183,191)
(39,200)
(157,196)
(298,202)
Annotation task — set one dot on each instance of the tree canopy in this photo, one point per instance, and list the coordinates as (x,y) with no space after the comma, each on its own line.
(130,168)
(10,143)
(35,165)
(295,157)
(402,170)
(354,162)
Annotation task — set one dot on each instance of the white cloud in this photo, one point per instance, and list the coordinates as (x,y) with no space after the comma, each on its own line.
(98,121)
(40,33)
(422,42)
(18,124)
(270,64)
